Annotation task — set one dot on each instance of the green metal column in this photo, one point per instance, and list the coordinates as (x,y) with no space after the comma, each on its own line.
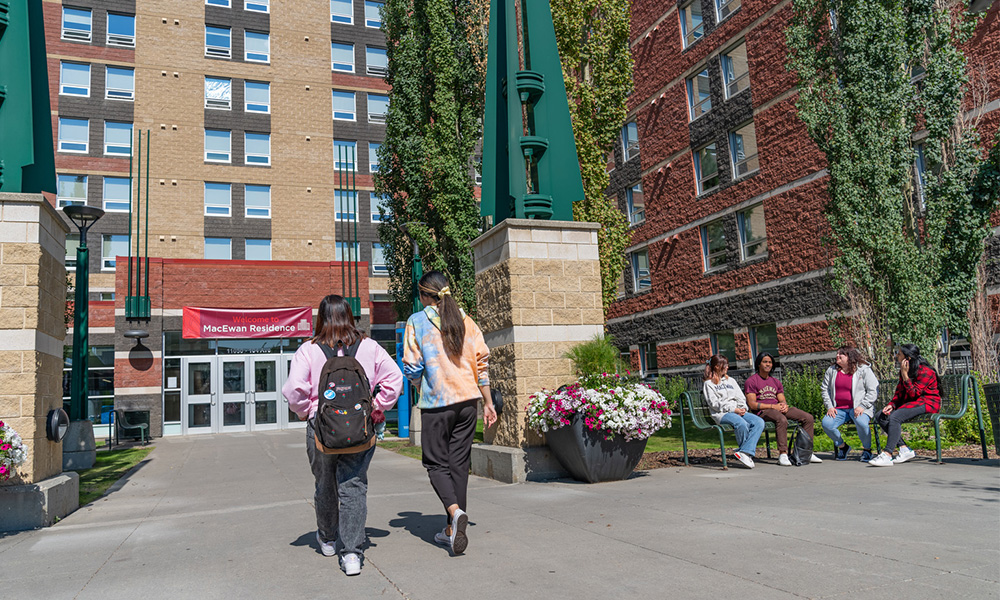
(81,315)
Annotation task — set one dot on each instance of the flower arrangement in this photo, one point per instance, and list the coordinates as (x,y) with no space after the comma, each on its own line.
(12,451)
(610,403)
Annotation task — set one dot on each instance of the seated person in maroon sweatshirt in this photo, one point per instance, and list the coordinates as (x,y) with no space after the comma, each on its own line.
(766,396)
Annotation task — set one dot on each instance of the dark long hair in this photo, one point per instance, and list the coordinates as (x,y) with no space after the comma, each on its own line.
(912,354)
(434,287)
(716,363)
(854,358)
(760,357)
(335,322)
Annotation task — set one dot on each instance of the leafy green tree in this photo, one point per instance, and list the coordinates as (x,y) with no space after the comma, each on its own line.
(435,56)
(592,36)
(871,74)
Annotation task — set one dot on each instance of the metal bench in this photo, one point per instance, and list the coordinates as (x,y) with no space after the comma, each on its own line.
(955,390)
(701,416)
(122,424)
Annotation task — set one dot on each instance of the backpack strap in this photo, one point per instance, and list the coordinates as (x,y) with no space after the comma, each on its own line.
(327,350)
(353,349)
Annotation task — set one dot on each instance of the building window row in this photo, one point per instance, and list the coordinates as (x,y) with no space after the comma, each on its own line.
(219,95)
(262,6)
(219,200)
(693,24)
(219,44)
(217,248)
(71,189)
(350,251)
(342,59)
(752,233)
(735,79)
(342,11)
(345,205)
(219,142)
(744,159)
(345,156)
(763,338)
(74,137)
(74,80)
(345,106)
(78,26)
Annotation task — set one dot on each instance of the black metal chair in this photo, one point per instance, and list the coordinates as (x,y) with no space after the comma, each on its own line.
(123,424)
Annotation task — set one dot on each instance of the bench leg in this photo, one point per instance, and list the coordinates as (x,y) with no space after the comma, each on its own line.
(684,440)
(722,446)
(937,437)
(767,442)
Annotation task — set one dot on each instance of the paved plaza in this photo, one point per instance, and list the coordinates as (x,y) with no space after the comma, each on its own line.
(230,516)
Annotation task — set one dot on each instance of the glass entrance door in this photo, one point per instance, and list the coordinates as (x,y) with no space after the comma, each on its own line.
(198,383)
(289,418)
(235,395)
(264,392)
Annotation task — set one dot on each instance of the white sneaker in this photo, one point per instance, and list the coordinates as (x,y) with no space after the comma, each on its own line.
(815,459)
(327,548)
(884,459)
(783,461)
(351,563)
(443,538)
(459,541)
(905,454)
(743,458)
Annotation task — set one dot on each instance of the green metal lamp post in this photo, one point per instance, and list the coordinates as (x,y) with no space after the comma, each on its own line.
(83,217)
(417,270)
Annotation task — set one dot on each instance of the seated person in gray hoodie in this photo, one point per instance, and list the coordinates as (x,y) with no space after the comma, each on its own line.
(849,390)
(728,405)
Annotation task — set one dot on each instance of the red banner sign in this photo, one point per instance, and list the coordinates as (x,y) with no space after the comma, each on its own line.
(247,323)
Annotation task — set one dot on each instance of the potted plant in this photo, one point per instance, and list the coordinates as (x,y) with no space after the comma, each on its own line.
(597,427)
(12,451)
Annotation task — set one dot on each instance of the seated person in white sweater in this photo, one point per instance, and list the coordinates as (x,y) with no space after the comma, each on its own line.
(729,406)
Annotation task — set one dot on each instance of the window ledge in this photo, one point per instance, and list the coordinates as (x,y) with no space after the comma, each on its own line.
(746,175)
(754,259)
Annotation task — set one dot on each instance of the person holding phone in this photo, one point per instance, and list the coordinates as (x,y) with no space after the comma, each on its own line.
(729,406)
(916,393)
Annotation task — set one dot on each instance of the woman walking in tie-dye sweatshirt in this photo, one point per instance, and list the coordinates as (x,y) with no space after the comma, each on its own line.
(446,358)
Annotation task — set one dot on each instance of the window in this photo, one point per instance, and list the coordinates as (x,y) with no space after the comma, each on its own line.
(257,96)
(258,148)
(218,93)
(724,8)
(257,46)
(373,14)
(345,205)
(343,106)
(116,194)
(218,145)
(345,155)
(753,235)
(257,249)
(72,243)
(346,252)
(257,5)
(692,27)
(218,199)
(218,41)
(74,79)
(120,83)
(620,289)
(71,190)
(342,57)
(630,141)
(743,150)
(378,259)
(74,135)
(76,24)
(380,208)
(706,169)
(636,205)
(377,61)
(112,246)
(735,70)
(640,271)
(724,343)
(117,138)
(713,245)
(222,3)
(699,95)
(921,165)
(218,248)
(106,296)
(647,357)
(342,11)
(378,106)
(258,201)
(121,30)
(373,156)
(764,338)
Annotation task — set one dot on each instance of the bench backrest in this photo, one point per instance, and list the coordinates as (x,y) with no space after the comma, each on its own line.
(954,394)
(700,414)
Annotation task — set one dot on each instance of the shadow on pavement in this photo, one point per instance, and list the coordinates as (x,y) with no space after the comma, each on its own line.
(421,525)
(308,539)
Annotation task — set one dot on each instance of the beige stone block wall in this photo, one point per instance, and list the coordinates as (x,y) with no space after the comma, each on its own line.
(539,294)
(32,305)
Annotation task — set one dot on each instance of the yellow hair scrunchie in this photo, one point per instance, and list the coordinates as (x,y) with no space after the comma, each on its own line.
(445,291)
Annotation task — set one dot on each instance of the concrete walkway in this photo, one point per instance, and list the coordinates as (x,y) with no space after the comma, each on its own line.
(230,516)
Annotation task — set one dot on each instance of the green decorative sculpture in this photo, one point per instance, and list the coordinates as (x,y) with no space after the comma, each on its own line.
(530,166)
(27,161)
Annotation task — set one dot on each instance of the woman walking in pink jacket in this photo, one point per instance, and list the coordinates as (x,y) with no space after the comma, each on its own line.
(341,479)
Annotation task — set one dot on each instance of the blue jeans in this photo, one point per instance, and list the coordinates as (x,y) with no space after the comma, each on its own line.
(831,426)
(748,429)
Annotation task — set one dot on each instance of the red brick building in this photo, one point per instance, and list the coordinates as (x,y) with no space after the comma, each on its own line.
(725,190)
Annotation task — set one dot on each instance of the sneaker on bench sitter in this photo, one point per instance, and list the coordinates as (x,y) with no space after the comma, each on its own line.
(815,459)
(884,459)
(783,461)
(905,454)
(745,459)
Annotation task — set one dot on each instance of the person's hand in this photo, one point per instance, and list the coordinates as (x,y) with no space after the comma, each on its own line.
(740,411)
(489,414)
(887,409)
(831,412)
(858,410)
(904,369)
(782,407)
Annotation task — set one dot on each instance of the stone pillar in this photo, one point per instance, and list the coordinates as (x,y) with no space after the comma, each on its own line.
(538,289)
(32,329)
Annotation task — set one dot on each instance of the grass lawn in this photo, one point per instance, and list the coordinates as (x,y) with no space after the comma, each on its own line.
(111,465)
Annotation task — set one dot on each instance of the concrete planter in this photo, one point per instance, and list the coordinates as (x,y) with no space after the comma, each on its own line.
(589,457)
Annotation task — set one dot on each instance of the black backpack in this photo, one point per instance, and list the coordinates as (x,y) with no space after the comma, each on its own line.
(343,420)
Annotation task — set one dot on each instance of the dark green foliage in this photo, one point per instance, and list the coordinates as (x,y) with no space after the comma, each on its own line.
(432,127)
(597,356)
(803,390)
(671,390)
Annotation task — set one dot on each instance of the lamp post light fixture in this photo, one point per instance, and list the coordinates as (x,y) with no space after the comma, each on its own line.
(83,217)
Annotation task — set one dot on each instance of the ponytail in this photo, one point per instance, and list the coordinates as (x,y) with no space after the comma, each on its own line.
(434,285)
(714,365)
